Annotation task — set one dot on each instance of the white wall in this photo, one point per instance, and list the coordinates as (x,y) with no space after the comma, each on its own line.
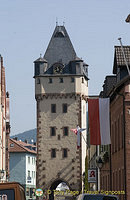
(32,168)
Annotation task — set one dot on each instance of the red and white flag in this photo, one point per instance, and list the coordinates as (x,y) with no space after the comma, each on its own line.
(99,122)
(78,131)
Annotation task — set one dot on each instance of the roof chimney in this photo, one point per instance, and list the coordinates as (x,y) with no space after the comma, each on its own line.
(25,141)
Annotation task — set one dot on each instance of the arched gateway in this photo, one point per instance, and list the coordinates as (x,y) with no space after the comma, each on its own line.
(53,192)
(60,86)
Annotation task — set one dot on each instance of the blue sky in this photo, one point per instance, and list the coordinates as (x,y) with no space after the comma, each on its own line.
(26,27)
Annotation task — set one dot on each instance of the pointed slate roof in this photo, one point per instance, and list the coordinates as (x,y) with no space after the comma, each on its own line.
(60,48)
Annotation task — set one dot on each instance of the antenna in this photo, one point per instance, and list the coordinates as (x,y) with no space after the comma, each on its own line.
(56,21)
(124,56)
(64,22)
(40,55)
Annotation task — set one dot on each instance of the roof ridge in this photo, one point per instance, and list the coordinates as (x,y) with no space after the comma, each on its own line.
(123,46)
(15,141)
(24,148)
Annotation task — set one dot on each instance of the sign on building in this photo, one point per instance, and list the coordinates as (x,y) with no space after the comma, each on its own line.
(92,178)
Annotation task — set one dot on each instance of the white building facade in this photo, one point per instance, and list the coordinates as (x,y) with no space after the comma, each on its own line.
(23,166)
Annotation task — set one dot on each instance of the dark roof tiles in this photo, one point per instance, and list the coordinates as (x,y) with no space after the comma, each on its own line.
(60,47)
(119,58)
(41,60)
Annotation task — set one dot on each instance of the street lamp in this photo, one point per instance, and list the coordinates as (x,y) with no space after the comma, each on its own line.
(99,163)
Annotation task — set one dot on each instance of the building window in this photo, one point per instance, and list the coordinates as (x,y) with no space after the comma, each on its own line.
(64,107)
(65,131)
(29,177)
(50,80)
(112,135)
(28,173)
(72,79)
(119,179)
(118,131)
(52,131)
(65,153)
(27,191)
(115,136)
(53,153)
(38,81)
(61,80)
(11,145)
(53,108)
(122,131)
(28,160)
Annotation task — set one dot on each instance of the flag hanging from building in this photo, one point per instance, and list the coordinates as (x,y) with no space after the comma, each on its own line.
(78,131)
(99,121)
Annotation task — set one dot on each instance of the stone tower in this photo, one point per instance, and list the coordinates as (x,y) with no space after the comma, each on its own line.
(61,82)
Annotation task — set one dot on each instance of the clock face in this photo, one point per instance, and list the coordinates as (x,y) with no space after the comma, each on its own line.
(58,68)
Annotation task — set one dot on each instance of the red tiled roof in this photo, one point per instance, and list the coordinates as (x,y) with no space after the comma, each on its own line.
(19,146)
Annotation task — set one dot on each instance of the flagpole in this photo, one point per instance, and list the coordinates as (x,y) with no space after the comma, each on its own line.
(124,56)
(84,140)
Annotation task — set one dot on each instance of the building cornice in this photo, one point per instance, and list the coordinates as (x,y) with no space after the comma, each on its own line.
(56,95)
(59,75)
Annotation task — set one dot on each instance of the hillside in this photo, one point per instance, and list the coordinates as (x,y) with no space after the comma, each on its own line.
(27,135)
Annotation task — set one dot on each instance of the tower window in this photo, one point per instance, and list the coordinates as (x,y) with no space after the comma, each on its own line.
(53,153)
(50,80)
(65,131)
(37,69)
(59,34)
(52,131)
(72,79)
(58,137)
(82,80)
(64,107)
(53,108)
(64,153)
(61,80)
(38,81)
